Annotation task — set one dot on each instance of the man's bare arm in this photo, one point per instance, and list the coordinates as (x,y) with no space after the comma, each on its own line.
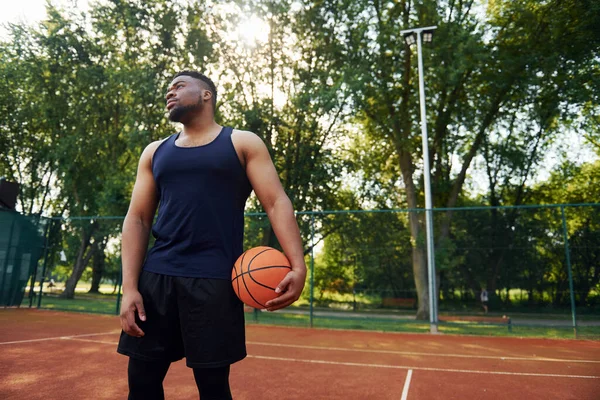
(135,237)
(267,186)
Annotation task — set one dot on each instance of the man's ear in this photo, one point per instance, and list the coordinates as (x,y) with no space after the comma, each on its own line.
(207,95)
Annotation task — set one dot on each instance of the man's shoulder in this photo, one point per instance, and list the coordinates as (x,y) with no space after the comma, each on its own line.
(151,148)
(244,134)
(246,139)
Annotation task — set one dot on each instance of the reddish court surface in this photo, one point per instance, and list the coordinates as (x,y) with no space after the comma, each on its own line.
(58,355)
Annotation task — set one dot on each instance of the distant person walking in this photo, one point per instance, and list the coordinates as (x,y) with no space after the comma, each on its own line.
(484,300)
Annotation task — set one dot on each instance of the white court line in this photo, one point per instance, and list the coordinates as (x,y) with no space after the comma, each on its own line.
(407,353)
(468,371)
(414,353)
(352,364)
(59,337)
(406,385)
(90,340)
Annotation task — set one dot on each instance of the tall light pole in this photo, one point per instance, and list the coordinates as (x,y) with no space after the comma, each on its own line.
(411,36)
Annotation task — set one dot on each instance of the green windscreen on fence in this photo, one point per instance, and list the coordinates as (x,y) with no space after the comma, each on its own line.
(21,246)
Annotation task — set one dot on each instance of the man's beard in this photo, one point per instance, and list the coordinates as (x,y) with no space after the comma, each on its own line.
(183,113)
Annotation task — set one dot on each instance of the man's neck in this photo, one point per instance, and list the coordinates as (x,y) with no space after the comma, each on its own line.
(201,125)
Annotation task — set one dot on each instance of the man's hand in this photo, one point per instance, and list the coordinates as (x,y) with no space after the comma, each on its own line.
(132,303)
(290,288)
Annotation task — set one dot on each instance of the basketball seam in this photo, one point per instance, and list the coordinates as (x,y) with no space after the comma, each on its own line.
(244,282)
(260,269)
(236,273)
(250,275)
(248,272)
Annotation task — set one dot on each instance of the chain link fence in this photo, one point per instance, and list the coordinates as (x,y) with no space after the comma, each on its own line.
(540,266)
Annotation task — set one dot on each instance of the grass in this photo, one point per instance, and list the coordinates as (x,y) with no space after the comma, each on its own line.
(81,289)
(345,319)
(332,322)
(542,308)
(82,303)
(459,328)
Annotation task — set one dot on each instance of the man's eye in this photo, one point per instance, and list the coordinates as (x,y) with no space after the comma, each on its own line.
(179,86)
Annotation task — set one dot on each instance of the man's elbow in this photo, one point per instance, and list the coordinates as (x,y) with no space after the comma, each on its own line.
(137,220)
(280,203)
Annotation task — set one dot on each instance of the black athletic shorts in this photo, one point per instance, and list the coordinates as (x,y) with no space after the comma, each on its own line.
(199,319)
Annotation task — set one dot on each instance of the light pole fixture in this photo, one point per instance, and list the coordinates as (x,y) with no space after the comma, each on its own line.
(428,35)
(410,37)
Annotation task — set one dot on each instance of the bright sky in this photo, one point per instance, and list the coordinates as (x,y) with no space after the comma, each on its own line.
(26,10)
(253,30)
(29,11)
(32,11)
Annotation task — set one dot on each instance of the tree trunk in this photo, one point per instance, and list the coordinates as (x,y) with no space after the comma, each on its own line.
(420,274)
(419,260)
(83,257)
(98,264)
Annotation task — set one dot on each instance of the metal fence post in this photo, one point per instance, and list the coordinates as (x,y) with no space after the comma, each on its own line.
(568,258)
(312,266)
(118,306)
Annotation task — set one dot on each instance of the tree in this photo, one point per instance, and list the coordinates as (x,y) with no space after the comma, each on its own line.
(370,252)
(94,85)
(576,184)
(479,73)
(289,90)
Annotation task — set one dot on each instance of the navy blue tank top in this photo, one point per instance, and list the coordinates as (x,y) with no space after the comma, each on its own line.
(202,194)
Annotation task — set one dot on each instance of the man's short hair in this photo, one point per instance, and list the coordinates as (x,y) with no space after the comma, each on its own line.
(203,78)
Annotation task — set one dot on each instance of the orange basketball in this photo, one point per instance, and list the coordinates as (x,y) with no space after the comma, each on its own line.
(256,274)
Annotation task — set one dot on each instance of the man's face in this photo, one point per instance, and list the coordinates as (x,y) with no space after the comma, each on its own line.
(185,98)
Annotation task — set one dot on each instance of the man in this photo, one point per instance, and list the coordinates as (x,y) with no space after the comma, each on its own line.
(484,300)
(178,300)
